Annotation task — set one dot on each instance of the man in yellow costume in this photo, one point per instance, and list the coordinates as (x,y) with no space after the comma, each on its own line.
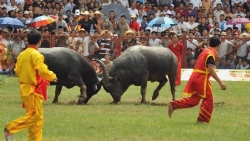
(33,77)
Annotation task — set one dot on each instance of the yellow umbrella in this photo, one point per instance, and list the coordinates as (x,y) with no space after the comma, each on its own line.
(247,26)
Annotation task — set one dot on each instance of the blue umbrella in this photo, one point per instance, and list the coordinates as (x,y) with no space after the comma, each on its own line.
(119,10)
(12,22)
(162,22)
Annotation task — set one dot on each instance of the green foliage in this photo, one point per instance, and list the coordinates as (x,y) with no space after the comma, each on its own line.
(129,120)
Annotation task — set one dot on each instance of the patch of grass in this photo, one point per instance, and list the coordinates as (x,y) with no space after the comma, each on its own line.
(129,120)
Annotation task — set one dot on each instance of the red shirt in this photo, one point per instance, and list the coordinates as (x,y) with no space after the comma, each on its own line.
(183,12)
(177,50)
(134,25)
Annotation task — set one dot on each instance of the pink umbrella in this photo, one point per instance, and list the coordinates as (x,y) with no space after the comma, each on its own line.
(238,21)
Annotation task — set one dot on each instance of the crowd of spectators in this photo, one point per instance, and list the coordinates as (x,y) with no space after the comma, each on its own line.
(79,25)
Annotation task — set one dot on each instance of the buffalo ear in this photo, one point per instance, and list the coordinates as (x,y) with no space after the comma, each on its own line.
(112,79)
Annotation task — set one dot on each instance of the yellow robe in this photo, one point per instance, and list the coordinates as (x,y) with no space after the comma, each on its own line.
(30,63)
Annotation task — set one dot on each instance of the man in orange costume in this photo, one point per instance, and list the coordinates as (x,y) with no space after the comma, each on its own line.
(33,76)
(198,86)
(177,48)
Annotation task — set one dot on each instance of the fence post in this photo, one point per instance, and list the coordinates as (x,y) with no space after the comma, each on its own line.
(118,47)
(184,55)
(52,40)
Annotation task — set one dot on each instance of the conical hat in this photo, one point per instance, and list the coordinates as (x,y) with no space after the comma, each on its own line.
(131,31)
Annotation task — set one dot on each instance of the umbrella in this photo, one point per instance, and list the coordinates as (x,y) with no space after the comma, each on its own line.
(119,10)
(238,21)
(12,22)
(162,22)
(41,21)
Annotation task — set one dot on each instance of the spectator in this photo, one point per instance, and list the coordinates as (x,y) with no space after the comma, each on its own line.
(18,46)
(134,24)
(105,43)
(99,23)
(38,7)
(225,46)
(227,65)
(190,25)
(191,11)
(190,55)
(133,9)
(124,3)
(93,46)
(239,12)
(111,23)
(2,4)
(61,37)
(177,48)
(61,22)
(181,10)
(12,6)
(154,41)
(164,2)
(218,12)
(2,40)
(191,43)
(242,50)
(129,39)
(228,13)
(69,7)
(122,25)
(68,18)
(203,26)
(242,64)
(246,6)
(83,40)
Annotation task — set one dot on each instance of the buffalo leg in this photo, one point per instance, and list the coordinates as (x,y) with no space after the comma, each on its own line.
(144,87)
(161,84)
(77,79)
(57,93)
(172,84)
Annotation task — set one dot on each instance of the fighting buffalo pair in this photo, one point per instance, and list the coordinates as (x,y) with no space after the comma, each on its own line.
(135,66)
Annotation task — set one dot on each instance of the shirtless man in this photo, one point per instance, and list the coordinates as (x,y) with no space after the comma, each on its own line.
(99,24)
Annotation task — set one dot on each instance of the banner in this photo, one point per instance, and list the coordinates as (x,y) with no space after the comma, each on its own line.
(224,74)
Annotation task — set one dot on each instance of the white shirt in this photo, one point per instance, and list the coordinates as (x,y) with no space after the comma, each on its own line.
(17,47)
(131,11)
(196,3)
(4,42)
(183,25)
(86,44)
(223,48)
(215,2)
(79,49)
(191,27)
(124,3)
(4,5)
(155,42)
(243,15)
(11,8)
(242,50)
(236,2)
(191,44)
(217,14)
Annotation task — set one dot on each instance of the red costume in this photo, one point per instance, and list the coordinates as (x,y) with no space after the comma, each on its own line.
(199,87)
(177,50)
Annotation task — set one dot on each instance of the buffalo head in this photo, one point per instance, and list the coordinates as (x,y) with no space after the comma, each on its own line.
(94,89)
(112,85)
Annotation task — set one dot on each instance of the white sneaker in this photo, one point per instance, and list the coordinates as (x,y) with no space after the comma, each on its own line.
(8,135)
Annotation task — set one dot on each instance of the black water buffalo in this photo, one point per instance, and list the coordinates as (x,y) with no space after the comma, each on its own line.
(71,68)
(136,66)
